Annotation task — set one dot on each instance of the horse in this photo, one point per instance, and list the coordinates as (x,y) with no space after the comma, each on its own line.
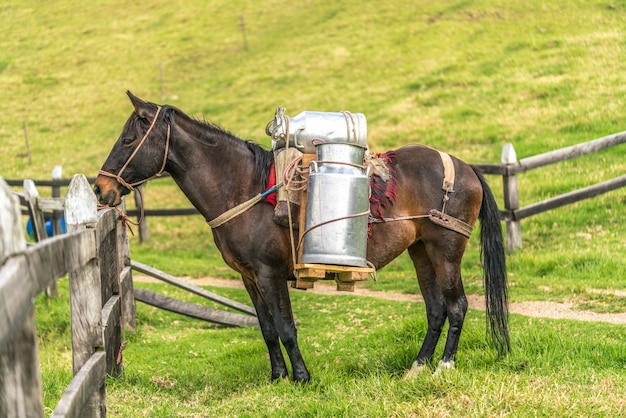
(217,171)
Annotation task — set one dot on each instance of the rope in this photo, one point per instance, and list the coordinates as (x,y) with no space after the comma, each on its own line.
(123,216)
(290,176)
(118,176)
(355,215)
(372,220)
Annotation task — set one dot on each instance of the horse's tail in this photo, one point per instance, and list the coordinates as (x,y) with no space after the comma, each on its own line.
(494,265)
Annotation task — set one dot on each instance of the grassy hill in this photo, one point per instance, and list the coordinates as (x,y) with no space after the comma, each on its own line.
(464,76)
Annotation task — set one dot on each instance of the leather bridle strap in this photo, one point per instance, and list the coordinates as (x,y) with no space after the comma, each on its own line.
(118,176)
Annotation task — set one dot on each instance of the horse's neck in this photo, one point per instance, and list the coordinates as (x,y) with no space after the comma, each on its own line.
(214,178)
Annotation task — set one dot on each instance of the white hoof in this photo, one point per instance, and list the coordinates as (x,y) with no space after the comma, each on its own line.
(444,366)
(415,370)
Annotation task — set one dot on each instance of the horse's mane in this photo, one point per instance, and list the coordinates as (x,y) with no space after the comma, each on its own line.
(207,132)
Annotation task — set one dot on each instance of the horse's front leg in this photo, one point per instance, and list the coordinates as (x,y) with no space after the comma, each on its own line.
(275,293)
(270,335)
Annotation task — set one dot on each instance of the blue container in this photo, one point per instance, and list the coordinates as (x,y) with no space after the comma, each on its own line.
(49,230)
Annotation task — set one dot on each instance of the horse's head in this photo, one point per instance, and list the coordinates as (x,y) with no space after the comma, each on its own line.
(139,154)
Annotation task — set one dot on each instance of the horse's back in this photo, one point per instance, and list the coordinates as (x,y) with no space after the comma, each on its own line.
(420,182)
(419,188)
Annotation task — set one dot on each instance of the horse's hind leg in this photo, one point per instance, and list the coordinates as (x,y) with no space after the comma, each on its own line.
(439,276)
(435,304)
(447,266)
(270,335)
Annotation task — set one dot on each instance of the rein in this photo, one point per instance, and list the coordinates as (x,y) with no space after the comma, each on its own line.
(118,176)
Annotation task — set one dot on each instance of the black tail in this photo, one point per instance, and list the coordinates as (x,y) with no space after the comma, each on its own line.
(494,265)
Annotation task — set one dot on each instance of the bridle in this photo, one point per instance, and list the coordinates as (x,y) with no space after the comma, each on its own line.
(118,176)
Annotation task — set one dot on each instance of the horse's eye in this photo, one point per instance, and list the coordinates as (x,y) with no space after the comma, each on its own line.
(127,140)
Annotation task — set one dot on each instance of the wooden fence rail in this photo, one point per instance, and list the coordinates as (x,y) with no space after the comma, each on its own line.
(508,168)
(95,255)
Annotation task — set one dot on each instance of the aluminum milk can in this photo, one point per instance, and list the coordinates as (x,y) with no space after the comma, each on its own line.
(302,129)
(337,207)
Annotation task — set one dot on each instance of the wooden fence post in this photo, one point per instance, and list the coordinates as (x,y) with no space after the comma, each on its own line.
(511,200)
(57,175)
(85,287)
(20,382)
(39,223)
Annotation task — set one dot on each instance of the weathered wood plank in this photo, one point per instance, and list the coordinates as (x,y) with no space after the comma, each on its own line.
(106,233)
(85,287)
(107,257)
(20,383)
(80,248)
(107,222)
(85,303)
(80,202)
(571,197)
(36,216)
(39,225)
(50,204)
(573,151)
(511,200)
(142,268)
(194,311)
(111,334)
(12,239)
(15,300)
(78,400)
(128,300)
(126,280)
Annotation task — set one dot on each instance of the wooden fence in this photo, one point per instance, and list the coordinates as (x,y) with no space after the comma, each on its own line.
(509,167)
(95,256)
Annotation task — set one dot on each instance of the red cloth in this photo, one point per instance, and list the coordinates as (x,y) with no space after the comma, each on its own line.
(271,198)
(383,193)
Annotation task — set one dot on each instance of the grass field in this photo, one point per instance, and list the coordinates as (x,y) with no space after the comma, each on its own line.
(462,76)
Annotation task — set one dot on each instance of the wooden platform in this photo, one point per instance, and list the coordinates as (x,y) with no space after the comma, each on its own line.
(345,276)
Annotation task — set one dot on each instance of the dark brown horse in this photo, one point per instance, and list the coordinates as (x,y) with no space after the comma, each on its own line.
(218,171)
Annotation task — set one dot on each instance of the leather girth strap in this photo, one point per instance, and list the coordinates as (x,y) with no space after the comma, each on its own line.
(439,217)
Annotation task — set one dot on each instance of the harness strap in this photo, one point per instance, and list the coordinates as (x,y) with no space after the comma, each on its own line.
(440,218)
(450,222)
(242,207)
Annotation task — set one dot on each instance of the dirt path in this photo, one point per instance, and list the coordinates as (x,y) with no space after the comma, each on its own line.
(535,309)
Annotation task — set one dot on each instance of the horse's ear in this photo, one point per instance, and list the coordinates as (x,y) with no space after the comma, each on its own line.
(142,108)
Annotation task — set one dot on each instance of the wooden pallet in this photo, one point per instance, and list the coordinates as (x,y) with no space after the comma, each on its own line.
(345,276)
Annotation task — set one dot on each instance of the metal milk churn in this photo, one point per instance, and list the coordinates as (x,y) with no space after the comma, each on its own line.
(337,206)
(302,129)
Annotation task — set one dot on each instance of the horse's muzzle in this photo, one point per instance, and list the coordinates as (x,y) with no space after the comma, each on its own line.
(108,191)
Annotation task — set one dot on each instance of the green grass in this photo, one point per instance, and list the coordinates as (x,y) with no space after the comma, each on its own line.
(357,350)
(462,76)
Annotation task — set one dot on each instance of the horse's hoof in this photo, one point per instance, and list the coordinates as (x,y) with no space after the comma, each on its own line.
(302,379)
(444,366)
(415,370)
(280,376)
